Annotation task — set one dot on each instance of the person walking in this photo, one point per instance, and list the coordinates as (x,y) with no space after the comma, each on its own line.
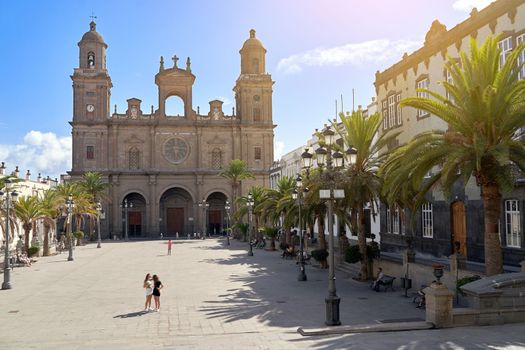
(157,286)
(169,247)
(148,285)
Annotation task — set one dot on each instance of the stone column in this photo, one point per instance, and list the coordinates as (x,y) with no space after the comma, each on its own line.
(438,299)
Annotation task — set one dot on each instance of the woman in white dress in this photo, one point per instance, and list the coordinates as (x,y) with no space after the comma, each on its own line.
(148,284)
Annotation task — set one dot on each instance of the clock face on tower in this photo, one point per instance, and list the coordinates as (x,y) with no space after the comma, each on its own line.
(90,108)
(175,150)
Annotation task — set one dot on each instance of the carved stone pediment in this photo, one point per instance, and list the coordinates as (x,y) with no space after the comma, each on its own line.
(134,139)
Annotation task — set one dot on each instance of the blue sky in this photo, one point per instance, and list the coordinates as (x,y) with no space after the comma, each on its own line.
(317,50)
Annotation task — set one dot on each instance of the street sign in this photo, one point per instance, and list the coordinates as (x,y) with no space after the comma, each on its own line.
(325,194)
(339,194)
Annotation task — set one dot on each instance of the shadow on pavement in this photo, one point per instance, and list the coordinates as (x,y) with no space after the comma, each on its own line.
(132,314)
(271,294)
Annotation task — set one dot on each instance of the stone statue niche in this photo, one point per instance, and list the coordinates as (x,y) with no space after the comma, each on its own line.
(216,112)
(134,110)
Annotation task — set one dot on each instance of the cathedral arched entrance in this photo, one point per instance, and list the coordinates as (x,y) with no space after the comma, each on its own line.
(176,212)
(134,216)
(216,213)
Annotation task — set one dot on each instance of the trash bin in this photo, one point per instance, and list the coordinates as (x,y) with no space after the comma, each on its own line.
(406,283)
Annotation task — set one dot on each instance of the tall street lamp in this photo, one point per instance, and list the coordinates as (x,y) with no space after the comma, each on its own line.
(334,160)
(9,196)
(69,211)
(204,205)
(249,204)
(227,208)
(99,211)
(297,195)
(126,206)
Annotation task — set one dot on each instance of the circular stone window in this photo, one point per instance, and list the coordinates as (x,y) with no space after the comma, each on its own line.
(176,150)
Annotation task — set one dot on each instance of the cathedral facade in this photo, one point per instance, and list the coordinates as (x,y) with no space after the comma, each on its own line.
(163,170)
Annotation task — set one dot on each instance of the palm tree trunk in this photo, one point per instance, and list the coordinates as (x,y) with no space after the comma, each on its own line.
(235,232)
(365,273)
(491,206)
(27,230)
(47,228)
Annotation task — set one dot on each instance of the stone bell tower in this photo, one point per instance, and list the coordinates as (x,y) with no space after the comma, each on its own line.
(91,81)
(253,89)
(91,99)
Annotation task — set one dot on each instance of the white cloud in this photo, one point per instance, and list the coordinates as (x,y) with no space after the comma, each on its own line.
(44,153)
(373,51)
(226,101)
(468,5)
(278,150)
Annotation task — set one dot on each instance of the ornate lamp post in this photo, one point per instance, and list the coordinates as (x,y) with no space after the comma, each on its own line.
(334,160)
(204,205)
(9,196)
(227,208)
(249,204)
(69,211)
(126,206)
(297,195)
(99,211)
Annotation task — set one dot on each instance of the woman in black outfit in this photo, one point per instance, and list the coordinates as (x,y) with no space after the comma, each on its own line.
(157,286)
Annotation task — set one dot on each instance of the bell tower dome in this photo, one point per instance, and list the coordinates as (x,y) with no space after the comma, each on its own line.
(253,88)
(253,56)
(92,49)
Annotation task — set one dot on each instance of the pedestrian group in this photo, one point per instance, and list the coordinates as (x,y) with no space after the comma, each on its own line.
(153,286)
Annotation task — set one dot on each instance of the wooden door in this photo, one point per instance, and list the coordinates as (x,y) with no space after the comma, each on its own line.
(214,221)
(135,223)
(459,228)
(175,221)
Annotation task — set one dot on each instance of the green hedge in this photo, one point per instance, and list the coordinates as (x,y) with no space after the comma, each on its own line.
(78,234)
(320,254)
(33,250)
(353,255)
(465,280)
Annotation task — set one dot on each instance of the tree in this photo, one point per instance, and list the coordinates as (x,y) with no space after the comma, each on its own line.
(95,188)
(28,211)
(485,113)
(362,182)
(258,197)
(315,208)
(278,205)
(50,204)
(236,172)
(83,205)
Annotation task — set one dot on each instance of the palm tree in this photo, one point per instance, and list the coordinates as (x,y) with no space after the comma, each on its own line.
(276,205)
(50,204)
(485,112)
(236,172)
(315,208)
(258,197)
(362,180)
(28,211)
(95,188)
(83,204)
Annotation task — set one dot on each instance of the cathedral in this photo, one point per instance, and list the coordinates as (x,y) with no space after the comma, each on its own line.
(163,170)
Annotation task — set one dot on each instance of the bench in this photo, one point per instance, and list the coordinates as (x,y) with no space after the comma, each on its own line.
(386,282)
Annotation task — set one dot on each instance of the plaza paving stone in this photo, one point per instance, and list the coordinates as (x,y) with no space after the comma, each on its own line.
(215,297)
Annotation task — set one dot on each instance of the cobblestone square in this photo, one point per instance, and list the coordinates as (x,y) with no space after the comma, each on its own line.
(215,297)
